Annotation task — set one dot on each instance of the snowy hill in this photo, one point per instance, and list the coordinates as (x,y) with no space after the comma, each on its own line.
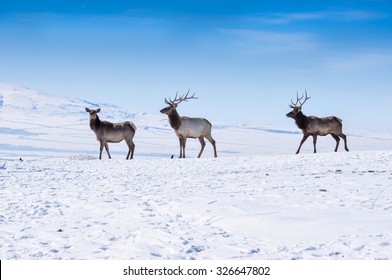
(36,124)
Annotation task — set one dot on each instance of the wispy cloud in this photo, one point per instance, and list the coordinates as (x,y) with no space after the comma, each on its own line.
(364,60)
(264,42)
(347,15)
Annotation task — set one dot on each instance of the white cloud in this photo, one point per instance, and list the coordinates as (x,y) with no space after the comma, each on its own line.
(286,18)
(363,60)
(259,42)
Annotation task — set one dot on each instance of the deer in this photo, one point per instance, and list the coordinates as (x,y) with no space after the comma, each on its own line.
(186,127)
(314,126)
(108,132)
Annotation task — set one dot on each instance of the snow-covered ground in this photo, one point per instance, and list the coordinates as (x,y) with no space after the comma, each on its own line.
(257,200)
(324,206)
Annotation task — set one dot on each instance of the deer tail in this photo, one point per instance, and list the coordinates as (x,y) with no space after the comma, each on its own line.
(339,120)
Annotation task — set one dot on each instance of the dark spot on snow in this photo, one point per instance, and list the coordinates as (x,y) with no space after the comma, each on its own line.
(254,251)
(195,249)
(156,255)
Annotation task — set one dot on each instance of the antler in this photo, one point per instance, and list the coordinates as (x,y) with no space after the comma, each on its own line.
(177,100)
(294,105)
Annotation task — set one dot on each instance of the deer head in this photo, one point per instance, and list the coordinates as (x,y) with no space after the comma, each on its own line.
(93,113)
(174,103)
(297,106)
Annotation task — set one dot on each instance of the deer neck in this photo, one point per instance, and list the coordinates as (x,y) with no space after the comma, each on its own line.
(95,123)
(301,120)
(175,120)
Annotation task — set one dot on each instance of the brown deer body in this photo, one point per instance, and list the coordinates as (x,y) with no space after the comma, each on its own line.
(186,127)
(314,126)
(108,132)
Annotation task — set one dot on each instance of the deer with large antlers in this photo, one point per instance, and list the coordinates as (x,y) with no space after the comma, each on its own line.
(314,126)
(108,132)
(186,127)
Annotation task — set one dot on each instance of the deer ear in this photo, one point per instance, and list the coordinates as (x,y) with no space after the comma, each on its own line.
(87,110)
(98,110)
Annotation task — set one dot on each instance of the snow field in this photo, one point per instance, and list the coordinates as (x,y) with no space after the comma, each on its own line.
(323,206)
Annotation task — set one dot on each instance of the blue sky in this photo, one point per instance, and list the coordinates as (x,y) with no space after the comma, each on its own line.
(244,59)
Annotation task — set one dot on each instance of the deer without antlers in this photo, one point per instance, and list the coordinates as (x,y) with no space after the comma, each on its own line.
(108,132)
(314,126)
(186,127)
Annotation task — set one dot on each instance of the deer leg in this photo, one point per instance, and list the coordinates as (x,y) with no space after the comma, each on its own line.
(107,150)
(337,139)
(212,141)
(101,149)
(203,144)
(345,141)
(182,147)
(314,143)
(302,141)
(131,148)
